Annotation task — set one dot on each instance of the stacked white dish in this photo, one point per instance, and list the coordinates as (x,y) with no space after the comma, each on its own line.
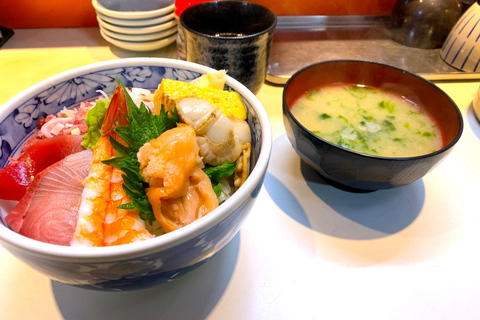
(137,25)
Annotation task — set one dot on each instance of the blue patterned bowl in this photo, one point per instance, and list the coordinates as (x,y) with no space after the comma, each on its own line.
(143,264)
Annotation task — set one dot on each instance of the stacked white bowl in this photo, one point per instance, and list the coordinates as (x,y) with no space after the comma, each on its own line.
(141,25)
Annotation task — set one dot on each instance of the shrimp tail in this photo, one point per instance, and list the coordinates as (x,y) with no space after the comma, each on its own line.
(116,113)
(100,221)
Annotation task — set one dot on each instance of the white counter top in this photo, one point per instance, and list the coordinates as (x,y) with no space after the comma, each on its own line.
(306,251)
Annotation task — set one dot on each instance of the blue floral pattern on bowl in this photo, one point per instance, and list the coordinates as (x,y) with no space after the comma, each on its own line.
(123,273)
(83,88)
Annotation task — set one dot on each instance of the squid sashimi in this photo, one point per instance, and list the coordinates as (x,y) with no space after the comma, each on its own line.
(48,211)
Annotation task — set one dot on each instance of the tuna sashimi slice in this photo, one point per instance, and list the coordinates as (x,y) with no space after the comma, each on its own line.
(17,176)
(49,210)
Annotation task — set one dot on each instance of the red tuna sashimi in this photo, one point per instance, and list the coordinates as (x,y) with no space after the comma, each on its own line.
(49,210)
(19,174)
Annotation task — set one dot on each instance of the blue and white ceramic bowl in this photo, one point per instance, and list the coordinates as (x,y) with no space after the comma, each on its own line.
(142,264)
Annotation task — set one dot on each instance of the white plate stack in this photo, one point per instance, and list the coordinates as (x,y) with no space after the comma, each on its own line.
(142,25)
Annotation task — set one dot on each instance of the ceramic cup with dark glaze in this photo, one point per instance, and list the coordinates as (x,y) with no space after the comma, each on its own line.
(232,35)
(358,172)
(424,24)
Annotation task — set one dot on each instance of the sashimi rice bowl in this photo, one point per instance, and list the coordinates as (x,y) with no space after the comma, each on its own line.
(125,174)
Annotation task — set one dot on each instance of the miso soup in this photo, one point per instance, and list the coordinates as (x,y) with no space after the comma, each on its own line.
(368,120)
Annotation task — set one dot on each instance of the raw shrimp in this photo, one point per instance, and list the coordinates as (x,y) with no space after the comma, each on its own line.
(180,192)
(95,197)
(100,222)
(122,226)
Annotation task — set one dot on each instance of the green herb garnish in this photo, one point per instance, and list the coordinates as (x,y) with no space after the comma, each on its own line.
(344,143)
(387,105)
(411,112)
(310,94)
(218,173)
(389,125)
(325,116)
(143,126)
(360,92)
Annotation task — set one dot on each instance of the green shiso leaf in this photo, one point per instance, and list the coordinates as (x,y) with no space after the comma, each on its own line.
(218,173)
(142,127)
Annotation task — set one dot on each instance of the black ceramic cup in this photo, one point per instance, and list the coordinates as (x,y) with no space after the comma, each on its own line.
(232,35)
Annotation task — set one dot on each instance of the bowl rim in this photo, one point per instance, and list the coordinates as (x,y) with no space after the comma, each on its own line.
(380,158)
(166,241)
(139,38)
(142,45)
(135,30)
(271,28)
(130,15)
(136,22)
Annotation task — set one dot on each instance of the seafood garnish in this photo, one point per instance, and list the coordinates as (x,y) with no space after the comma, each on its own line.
(48,211)
(158,162)
(100,220)
(179,191)
(219,137)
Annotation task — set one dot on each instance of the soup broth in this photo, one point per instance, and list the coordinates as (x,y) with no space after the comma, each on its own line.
(368,120)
